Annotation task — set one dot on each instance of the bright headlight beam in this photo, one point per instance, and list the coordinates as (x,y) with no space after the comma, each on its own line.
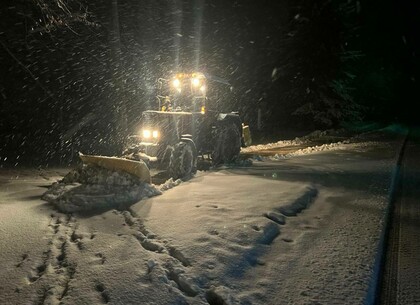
(176,83)
(146,133)
(195,82)
(155,134)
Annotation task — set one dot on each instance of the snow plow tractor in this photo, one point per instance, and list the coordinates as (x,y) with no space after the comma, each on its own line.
(183,129)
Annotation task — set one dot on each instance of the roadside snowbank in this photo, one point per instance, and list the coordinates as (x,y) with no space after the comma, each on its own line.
(277,144)
(313,136)
(345,145)
(359,141)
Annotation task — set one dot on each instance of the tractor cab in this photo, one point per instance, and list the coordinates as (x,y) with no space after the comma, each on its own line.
(184,92)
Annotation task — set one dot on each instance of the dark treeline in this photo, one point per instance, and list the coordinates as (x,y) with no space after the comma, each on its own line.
(75,75)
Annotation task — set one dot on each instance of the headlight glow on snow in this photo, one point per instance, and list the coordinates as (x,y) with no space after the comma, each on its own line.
(203,89)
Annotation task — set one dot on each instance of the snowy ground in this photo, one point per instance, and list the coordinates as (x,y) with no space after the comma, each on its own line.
(295,230)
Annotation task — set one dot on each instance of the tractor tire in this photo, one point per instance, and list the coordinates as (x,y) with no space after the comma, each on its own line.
(165,160)
(227,144)
(183,161)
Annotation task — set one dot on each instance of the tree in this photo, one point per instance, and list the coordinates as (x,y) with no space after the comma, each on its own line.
(59,13)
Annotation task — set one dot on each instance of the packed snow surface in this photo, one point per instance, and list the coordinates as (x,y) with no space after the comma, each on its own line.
(299,230)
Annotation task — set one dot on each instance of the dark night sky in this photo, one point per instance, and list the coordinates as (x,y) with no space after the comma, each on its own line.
(306,64)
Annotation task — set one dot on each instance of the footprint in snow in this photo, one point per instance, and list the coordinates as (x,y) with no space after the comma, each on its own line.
(101,257)
(256,228)
(39,272)
(213,232)
(99,287)
(24,257)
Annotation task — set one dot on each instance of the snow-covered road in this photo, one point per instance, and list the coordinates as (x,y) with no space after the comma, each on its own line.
(300,230)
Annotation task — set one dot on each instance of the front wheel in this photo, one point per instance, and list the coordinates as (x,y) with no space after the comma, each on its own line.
(183,161)
(227,144)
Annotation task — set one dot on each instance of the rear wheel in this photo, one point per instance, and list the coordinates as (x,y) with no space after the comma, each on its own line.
(227,143)
(183,161)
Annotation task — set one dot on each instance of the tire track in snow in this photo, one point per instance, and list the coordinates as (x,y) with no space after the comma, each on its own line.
(282,213)
(55,271)
(300,204)
(150,241)
(271,230)
(173,260)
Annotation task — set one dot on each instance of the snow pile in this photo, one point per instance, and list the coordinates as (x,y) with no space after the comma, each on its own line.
(312,149)
(355,142)
(268,146)
(91,187)
(325,147)
(313,136)
(170,183)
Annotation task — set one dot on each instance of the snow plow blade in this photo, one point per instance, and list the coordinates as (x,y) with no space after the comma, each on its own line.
(135,168)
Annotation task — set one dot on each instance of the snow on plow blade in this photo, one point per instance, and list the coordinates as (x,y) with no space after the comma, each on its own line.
(138,169)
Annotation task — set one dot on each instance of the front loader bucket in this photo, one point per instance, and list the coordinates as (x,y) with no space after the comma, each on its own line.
(135,168)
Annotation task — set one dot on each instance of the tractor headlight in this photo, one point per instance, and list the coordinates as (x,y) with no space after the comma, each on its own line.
(176,83)
(147,134)
(195,82)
